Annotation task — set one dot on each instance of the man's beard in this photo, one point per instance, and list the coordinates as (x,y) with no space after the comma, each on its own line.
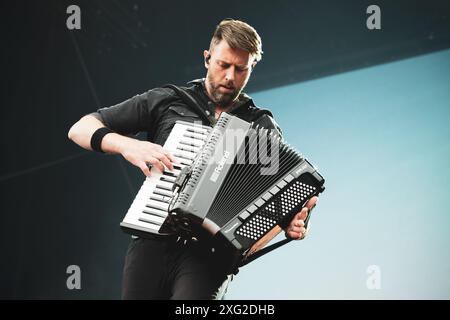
(223,99)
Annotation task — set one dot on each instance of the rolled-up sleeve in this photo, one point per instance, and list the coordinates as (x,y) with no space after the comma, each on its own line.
(135,114)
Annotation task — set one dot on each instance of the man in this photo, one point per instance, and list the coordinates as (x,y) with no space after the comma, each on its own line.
(165,268)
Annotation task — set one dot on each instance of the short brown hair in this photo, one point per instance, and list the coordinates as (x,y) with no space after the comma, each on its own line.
(238,35)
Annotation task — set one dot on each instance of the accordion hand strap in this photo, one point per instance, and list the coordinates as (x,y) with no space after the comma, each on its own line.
(263,251)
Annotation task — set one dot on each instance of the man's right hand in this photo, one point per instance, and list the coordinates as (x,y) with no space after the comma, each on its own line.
(144,153)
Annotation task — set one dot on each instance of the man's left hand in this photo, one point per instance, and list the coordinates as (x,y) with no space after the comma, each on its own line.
(296,229)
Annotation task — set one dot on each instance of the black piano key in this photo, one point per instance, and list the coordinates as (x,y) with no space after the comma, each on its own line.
(187,149)
(190,143)
(186,163)
(171,174)
(193,136)
(194,130)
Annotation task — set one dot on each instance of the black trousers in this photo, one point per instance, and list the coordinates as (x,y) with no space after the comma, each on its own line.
(170,269)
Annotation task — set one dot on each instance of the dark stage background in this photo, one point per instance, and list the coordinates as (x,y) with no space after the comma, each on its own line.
(60,205)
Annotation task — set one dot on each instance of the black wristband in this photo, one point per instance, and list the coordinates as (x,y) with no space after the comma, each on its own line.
(97,137)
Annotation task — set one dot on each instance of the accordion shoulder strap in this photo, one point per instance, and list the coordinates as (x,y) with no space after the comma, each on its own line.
(189,100)
(263,251)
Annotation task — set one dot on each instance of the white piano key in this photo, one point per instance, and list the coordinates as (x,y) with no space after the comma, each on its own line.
(163,192)
(157,205)
(157,197)
(168,179)
(183,156)
(149,224)
(156,215)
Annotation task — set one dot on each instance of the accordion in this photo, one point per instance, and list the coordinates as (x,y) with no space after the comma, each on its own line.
(239,183)
(243,186)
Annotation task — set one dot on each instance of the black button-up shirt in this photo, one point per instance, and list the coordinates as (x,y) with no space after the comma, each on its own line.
(157,110)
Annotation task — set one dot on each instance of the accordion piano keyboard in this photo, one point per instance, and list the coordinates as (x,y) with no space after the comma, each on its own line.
(148,210)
